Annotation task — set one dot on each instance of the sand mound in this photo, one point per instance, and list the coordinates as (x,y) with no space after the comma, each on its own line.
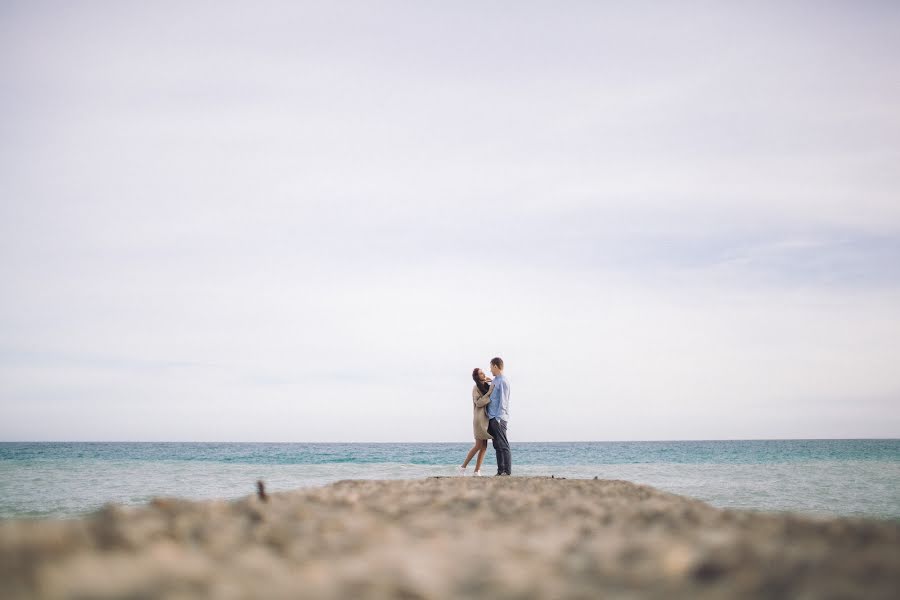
(510,537)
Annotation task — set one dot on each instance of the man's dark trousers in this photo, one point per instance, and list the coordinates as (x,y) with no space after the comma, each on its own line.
(497,429)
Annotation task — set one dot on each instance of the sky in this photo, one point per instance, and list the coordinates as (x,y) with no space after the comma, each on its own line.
(298,221)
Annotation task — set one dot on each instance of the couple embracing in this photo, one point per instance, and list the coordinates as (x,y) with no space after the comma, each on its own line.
(490,399)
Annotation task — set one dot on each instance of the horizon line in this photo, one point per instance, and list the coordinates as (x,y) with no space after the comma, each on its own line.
(797,439)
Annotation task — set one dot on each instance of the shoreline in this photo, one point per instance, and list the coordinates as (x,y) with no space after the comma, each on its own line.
(844,478)
(447,537)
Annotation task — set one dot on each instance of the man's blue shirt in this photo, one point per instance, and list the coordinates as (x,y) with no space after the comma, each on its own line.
(499,405)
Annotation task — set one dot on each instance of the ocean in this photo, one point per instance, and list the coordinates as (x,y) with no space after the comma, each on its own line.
(819,477)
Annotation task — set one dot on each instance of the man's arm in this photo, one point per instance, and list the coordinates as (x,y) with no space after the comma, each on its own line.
(499,390)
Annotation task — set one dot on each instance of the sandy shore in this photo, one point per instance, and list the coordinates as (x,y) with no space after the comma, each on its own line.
(511,537)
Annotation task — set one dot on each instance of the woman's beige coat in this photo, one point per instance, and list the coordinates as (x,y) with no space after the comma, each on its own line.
(479,417)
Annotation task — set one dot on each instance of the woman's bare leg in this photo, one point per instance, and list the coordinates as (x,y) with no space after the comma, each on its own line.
(471,454)
(481,452)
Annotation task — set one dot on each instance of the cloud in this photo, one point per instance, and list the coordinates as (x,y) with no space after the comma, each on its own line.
(238,225)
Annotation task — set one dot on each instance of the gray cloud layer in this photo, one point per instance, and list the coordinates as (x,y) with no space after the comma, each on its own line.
(305,222)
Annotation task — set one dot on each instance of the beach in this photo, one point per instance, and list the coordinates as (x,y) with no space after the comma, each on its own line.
(509,537)
(827,478)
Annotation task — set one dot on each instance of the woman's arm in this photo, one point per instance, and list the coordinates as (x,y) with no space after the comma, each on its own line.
(485,399)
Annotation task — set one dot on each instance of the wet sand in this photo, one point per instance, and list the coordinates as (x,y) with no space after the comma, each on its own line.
(510,537)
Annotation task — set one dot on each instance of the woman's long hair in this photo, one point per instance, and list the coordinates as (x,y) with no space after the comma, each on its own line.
(483,386)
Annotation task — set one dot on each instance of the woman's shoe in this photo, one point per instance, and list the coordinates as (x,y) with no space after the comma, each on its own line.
(460,470)
(477,473)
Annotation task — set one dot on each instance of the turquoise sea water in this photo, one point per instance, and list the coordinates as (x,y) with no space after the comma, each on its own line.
(826,477)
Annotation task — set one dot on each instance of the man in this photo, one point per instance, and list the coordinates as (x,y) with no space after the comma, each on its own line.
(498,413)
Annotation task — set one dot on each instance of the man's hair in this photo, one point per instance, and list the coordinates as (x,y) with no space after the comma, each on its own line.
(497,362)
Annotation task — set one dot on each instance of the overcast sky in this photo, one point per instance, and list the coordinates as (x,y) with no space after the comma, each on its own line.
(265,221)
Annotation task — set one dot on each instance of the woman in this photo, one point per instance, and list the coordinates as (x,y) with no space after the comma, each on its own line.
(481,396)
